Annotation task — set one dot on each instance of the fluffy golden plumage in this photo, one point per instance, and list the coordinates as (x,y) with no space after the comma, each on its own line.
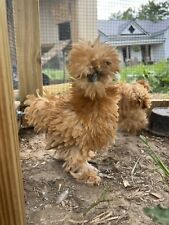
(83,122)
(135,100)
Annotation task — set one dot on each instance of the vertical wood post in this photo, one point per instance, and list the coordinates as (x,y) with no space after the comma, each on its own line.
(26,16)
(11,187)
(84,20)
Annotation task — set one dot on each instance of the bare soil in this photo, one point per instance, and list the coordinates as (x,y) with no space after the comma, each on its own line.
(131,181)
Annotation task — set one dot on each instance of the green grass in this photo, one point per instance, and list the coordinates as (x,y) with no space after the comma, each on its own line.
(157,68)
(54,74)
(138,70)
(158,162)
(156,74)
(157,213)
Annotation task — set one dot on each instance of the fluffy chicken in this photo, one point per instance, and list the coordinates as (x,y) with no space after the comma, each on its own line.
(134,102)
(84,121)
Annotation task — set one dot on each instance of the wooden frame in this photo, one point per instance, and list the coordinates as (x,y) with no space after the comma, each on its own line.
(11,186)
(82,27)
(28,46)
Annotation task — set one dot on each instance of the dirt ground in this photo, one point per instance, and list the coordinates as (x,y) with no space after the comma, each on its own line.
(130,182)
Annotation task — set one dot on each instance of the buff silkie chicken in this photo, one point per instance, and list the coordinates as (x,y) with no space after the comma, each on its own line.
(84,121)
(133,105)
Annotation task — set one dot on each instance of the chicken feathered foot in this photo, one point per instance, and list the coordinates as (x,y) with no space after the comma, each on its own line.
(76,163)
(83,172)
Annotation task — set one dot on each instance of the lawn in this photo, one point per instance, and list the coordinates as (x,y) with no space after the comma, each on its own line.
(157,74)
(141,70)
(54,74)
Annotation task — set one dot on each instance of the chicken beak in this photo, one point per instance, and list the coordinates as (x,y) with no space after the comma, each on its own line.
(93,77)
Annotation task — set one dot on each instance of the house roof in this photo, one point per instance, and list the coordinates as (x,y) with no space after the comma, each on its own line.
(152,27)
(115,27)
(112,27)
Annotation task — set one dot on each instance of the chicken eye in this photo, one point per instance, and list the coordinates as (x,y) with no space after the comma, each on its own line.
(108,63)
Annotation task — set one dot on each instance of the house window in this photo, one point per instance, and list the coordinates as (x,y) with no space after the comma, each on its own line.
(131,29)
(64,31)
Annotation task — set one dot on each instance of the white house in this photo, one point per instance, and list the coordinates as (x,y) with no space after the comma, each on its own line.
(137,40)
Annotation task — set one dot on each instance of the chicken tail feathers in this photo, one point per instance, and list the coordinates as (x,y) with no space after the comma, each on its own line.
(36,112)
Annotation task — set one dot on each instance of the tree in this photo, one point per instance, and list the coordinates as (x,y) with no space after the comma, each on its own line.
(154,11)
(150,11)
(129,14)
(116,16)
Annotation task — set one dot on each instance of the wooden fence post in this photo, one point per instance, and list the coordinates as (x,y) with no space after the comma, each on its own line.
(11,186)
(84,20)
(28,48)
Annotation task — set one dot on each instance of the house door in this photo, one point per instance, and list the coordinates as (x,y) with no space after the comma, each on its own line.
(124,54)
(146,53)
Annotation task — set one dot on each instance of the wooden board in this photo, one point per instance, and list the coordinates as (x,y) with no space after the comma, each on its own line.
(28,46)
(11,185)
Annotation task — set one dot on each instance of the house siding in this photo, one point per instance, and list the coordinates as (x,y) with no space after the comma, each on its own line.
(158,52)
(81,14)
(166,34)
(119,49)
(48,28)
(142,33)
(135,55)
(52,13)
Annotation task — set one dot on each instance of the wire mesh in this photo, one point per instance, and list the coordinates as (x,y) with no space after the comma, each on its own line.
(139,40)
(12,44)
(55,17)
(140,32)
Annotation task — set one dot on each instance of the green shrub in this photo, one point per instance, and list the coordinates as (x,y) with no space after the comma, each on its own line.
(54,74)
(157,75)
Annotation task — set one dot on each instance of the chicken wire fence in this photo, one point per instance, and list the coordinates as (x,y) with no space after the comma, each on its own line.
(55,27)
(12,43)
(62,22)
